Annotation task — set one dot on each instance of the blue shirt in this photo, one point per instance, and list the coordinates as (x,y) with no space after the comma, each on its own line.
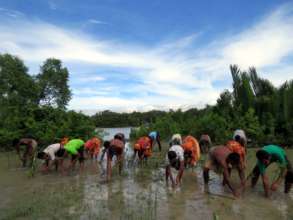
(153,135)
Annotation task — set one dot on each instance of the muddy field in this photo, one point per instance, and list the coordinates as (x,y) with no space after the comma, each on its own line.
(139,193)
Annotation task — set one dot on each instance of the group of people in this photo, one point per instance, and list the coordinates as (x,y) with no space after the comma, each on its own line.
(54,154)
(182,153)
(224,158)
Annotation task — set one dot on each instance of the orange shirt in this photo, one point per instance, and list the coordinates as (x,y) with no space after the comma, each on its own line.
(236,147)
(144,144)
(93,145)
(191,144)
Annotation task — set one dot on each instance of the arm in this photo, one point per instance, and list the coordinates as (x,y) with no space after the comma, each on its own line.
(159,143)
(283,170)
(227,181)
(243,161)
(242,176)
(103,154)
(169,174)
(180,173)
(120,162)
(277,182)
(73,161)
(266,186)
(47,164)
(17,147)
(134,154)
(109,168)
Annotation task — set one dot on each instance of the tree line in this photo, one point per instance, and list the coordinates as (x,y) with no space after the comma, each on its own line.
(255,105)
(35,105)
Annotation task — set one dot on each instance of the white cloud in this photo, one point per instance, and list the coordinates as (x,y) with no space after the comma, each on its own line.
(172,74)
(95,21)
(11,13)
(86,78)
(264,44)
(86,91)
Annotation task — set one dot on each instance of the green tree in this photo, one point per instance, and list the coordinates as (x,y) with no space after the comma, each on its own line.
(17,87)
(53,84)
(250,123)
(18,93)
(242,91)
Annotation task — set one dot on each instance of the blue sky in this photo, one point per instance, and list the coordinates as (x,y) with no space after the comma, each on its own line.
(142,55)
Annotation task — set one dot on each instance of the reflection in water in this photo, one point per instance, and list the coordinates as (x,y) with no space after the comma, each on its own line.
(141,193)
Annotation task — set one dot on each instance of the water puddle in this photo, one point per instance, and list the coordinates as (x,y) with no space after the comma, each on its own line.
(140,193)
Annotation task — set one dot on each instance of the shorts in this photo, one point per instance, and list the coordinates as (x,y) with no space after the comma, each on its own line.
(81,155)
(114,151)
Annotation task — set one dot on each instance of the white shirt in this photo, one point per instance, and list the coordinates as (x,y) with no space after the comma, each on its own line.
(179,152)
(52,150)
(240,133)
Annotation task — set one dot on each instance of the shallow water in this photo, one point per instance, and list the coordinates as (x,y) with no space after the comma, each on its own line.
(139,193)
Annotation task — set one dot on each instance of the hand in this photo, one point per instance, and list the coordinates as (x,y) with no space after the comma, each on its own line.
(243,186)
(274,186)
(236,193)
(45,169)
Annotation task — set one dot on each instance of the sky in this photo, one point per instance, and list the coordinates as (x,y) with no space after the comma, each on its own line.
(129,55)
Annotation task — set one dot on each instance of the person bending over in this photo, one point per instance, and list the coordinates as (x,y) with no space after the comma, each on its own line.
(205,143)
(155,137)
(236,146)
(222,159)
(191,151)
(53,154)
(142,148)
(174,159)
(75,148)
(116,148)
(240,136)
(92,146)
(29,151)
(266,156)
